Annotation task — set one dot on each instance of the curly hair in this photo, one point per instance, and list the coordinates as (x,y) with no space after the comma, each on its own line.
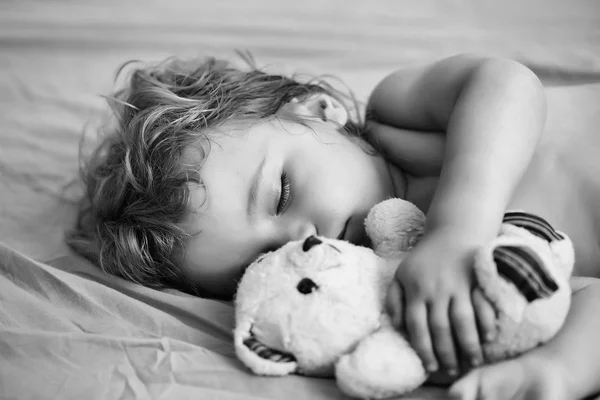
(136,180)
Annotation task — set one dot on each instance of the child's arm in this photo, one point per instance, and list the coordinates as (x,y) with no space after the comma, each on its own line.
(493,113)
(567,367)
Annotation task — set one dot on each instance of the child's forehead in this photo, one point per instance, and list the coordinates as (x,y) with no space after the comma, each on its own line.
(244,134)
(238,143)
(220,137)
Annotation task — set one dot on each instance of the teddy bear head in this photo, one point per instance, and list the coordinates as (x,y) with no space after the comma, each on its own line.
(302,306)
(316,306)
(299,308)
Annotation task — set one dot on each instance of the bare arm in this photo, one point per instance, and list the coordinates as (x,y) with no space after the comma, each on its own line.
(493,112)
(575,348)
(566,367)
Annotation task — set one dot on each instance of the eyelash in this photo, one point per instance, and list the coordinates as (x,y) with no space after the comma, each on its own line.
(285,193)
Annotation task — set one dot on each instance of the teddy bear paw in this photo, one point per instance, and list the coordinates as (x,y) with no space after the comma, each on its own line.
(382,365)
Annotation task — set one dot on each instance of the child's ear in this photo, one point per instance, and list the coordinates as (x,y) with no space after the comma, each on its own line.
(316,105)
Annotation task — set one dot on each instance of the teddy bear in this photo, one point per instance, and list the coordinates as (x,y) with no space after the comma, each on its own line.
(316,306)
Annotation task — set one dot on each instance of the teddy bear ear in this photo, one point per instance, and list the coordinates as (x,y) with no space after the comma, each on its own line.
(395,226)
(258,357)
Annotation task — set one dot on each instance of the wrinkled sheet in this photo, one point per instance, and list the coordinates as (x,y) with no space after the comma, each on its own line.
(68,331)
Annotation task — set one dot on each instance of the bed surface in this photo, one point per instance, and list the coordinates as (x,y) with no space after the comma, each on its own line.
(66,330)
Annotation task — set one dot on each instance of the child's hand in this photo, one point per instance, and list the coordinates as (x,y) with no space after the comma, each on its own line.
(523,378)
(431,298)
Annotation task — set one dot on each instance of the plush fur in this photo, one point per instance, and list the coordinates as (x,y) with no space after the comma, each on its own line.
(316,306)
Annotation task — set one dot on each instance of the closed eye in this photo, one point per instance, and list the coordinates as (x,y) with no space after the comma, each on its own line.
(285,193)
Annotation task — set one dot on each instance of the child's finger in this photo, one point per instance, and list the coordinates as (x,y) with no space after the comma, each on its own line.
(465,330)
(486,315)
(466,388)
(418,334)
(503,380)
(443,341)
(395,305)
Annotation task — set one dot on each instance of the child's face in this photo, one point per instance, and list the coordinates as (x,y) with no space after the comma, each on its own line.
(275,182)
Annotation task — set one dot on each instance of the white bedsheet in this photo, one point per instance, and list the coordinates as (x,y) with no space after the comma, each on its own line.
(67,331)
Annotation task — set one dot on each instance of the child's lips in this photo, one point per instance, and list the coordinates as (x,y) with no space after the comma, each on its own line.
(342,235)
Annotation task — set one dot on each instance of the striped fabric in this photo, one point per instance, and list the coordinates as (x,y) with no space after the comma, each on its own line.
(521,266)
(266,352)
(534,224)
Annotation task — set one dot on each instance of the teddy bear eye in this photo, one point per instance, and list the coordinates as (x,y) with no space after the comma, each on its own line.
(306,286)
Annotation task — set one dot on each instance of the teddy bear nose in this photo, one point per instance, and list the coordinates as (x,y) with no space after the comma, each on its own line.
(307,286)
(310,242)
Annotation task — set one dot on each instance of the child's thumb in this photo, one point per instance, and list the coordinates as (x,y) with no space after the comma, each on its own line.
(394,305)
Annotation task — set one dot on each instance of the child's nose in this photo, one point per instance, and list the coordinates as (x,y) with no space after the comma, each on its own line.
(291,230)
(302,230)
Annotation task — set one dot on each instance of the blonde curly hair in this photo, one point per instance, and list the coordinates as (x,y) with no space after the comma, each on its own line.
(136,196)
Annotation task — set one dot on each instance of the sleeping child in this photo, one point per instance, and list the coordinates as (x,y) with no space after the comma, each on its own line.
(210,165)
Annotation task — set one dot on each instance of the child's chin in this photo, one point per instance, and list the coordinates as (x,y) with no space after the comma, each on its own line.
(363,241)
(366,242)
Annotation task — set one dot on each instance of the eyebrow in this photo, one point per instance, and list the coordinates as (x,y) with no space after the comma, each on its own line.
(256,181)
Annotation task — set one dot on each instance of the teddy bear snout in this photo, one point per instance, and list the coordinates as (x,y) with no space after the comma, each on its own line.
(310,242)
(307,286)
